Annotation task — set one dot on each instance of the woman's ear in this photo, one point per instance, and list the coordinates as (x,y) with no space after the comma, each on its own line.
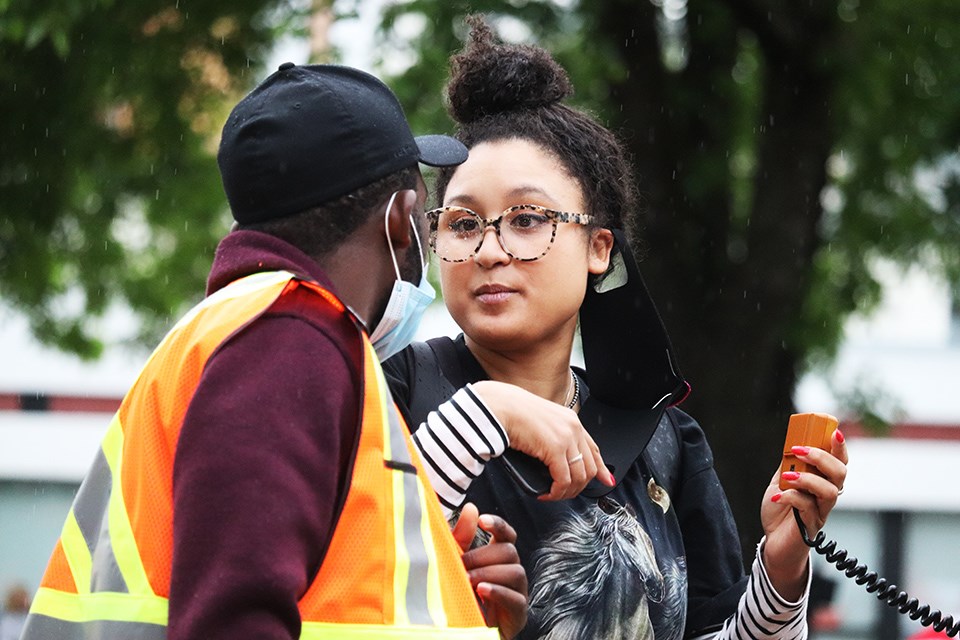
(398,218)
(601,244)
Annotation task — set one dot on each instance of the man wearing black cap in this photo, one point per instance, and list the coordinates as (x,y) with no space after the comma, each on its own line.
(257,480)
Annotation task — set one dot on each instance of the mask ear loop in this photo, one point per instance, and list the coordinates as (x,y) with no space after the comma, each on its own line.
(424,259)
(386,230)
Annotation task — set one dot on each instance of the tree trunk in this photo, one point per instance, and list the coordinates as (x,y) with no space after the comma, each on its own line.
(728,286)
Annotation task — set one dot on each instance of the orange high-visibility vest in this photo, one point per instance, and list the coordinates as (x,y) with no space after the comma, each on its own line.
(392,569)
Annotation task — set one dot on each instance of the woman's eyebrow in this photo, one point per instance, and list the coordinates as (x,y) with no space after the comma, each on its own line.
(463,200)
(528,190)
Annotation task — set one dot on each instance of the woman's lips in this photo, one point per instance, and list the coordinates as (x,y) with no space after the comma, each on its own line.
(493,293)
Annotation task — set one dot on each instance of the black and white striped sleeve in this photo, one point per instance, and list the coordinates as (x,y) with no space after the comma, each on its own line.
(455,442)
(763,613)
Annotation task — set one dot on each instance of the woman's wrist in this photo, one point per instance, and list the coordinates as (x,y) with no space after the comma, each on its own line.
(789,573)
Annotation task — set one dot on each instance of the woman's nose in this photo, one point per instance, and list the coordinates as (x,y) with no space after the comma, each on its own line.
(491,249)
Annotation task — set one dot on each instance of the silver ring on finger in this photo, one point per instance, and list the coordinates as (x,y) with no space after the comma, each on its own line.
(575,459)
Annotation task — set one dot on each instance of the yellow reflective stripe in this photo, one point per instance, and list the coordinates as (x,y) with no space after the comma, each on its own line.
(124,545)
(77,553)
(401,562)
(106,605)
(435,606)
(419,510)
(326,630)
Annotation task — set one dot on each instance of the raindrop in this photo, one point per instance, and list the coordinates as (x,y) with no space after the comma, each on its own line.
(156,195)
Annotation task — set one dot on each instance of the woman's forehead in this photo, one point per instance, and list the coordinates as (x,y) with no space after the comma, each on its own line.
(511,169)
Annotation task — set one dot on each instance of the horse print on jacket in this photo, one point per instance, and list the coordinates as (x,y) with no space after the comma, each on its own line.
(597,575)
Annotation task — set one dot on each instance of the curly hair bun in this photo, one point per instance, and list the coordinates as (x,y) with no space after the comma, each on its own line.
(488,77)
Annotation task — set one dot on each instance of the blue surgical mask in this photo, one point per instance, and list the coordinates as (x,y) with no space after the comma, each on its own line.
(406,305)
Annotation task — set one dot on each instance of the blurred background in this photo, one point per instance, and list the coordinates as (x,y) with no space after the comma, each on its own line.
(800,167)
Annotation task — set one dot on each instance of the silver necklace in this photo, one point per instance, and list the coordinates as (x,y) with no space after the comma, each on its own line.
(576,390)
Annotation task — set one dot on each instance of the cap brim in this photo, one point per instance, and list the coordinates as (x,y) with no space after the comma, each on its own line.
(441,151)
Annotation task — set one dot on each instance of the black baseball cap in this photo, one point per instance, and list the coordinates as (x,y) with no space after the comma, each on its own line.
(311,133)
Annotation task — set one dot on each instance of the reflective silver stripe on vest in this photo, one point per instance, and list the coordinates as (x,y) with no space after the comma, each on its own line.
(416,593)
(40,626)
(90,508)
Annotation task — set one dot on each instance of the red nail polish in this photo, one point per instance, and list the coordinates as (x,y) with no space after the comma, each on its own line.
(776,497)
(800,451)
(840,437)
(790,475)
(613,481)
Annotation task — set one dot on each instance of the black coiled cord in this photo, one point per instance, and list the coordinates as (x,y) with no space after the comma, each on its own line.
(875,584)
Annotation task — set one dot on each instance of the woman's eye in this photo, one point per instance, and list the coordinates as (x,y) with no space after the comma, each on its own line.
(528,220)
(464,225)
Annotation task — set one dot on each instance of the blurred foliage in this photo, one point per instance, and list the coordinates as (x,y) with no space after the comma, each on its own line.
(108,186)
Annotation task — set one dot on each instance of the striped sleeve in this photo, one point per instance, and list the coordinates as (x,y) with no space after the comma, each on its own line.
(455,442)
(763,613)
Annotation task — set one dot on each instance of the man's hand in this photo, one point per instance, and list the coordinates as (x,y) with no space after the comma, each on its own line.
(495,570)
(549,432)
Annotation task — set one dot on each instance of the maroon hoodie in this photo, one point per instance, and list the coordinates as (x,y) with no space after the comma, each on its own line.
(262,463)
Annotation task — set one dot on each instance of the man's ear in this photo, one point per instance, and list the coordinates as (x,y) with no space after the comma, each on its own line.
(398,218)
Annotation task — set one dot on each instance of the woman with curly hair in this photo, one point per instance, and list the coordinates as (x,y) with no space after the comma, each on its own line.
(534,233)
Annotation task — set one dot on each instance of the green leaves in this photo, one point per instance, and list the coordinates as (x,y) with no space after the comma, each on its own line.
(111,119)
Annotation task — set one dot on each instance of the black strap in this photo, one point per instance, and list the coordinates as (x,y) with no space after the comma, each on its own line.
(436,378)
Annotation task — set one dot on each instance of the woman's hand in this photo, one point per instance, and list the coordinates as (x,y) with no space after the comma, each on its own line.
(785,555)
(549,432)
(495,570)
